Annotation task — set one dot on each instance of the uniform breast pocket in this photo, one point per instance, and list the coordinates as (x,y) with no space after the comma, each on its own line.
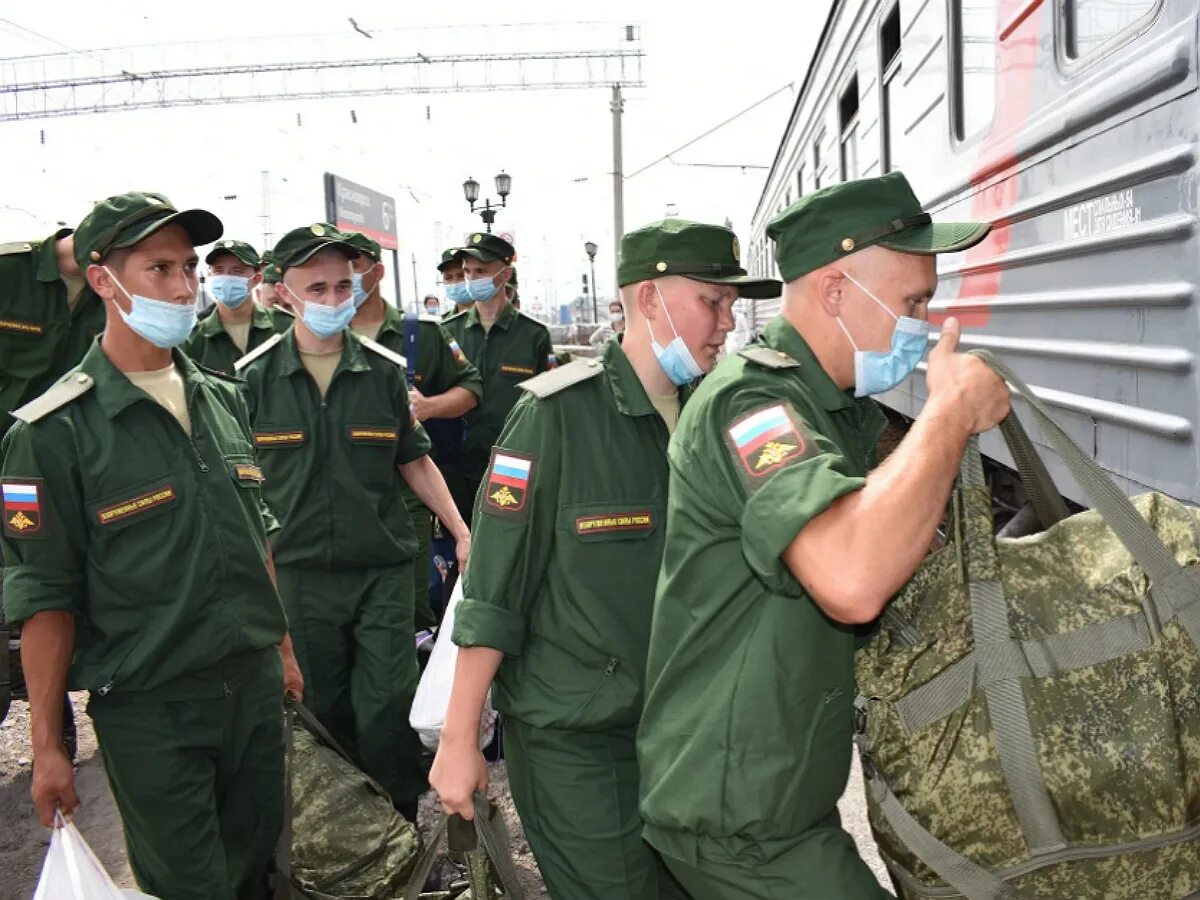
(373,452)
(518,370)
(138,504)
(26,344)
(611,546)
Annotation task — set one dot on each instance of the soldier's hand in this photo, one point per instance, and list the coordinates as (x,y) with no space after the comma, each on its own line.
(462,551)
(419,403)
(293,680)
(459,770)
(965,383)
(53,785)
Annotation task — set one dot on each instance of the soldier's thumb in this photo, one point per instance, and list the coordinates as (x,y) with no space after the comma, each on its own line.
(948,343)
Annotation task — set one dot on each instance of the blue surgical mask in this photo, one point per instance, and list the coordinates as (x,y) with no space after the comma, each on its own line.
(481,290)
(230,291)
(325,321)
(162,323)
(675,358)
(359,294)
(457,293)
(876,372)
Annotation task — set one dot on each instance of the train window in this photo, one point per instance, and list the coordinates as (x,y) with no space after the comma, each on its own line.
(848,122)
(800,182)
(889,61)
(1090,23)
(975,23)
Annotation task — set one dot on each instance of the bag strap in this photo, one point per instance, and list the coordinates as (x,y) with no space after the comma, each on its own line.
(283,850)
(1039,486)
(1177,585)
(304,714)
(411,329)
(495,847)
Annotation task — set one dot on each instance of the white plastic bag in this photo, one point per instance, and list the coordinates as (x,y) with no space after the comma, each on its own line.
(433,692)
(72,872)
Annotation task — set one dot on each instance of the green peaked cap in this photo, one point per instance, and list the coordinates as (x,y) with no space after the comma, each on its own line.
(240,249)
(299,245)
(127,219)
(841,219)
(708,253)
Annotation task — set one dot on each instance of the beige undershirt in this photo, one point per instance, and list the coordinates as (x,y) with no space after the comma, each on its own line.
(75,285)
(239,333)
(165,387)
(321,366)
(668,407)
(370,330)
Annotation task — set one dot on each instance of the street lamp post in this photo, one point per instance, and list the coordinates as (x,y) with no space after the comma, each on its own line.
(487,212)
(590,249)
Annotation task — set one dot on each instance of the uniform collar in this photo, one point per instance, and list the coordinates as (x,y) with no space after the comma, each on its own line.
(507,315)
(393,320)
(47,267)
(627,389)
(354,358)
(260,320)
(780,335)
(114,390)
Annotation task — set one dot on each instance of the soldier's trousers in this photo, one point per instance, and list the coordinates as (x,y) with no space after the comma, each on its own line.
(422,524)
(196,769)
(820,864)
(352,630)
(577,795)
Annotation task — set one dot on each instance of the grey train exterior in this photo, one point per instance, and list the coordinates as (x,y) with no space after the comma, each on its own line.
(1072,126)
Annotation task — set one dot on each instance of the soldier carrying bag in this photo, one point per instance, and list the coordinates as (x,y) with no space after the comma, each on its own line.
(1029,712)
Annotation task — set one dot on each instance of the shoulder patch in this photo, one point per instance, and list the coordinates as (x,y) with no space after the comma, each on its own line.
(768,358)
(562,377)
(506,484)
(14,247)
(59,395)
(267,345)
(376,347)
(23,514)
(767,438)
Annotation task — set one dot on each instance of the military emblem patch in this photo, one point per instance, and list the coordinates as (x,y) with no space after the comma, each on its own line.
(766,439)
(23,516)
(375,435)
(247,472)
(456,352)
(642,520)
(552,361)
(278,438)
(16,326)
(134,505)
(506,486)
(517,370)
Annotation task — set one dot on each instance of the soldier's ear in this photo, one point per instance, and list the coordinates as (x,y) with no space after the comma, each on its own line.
(647,300)
(255,281)
(101,282)
(830,289)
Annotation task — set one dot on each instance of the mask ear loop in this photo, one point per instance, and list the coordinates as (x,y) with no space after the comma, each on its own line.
(670,321)
(854,282)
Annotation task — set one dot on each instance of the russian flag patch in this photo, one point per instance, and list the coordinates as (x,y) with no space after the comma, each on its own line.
(766,439)
(506,487)
(22,500)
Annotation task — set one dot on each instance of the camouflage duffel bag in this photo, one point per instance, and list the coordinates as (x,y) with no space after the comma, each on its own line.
(342,839)
(1029,712)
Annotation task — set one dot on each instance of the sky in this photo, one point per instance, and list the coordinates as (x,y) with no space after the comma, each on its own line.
(259,166)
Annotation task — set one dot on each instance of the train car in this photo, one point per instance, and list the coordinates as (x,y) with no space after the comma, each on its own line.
(1071,125)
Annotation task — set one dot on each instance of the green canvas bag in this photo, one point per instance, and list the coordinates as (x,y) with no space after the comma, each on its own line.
(1029,712)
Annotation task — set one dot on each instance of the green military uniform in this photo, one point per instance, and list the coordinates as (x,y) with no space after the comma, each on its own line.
(211,344)
(41,334)
(515,349)
(440,365)
(345,548)
(746,733)
(561,579)
(156,541)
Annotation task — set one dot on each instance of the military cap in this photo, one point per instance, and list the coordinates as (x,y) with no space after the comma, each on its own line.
(486,247)
(127,219)
(844,218)
(450,256)
(364,245)
(271,274)
(708,253)
(299,245)
(243,251)
(512,277)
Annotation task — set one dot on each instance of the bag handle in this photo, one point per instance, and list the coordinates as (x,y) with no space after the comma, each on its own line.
(1114,507)
(283,850)
(495,846)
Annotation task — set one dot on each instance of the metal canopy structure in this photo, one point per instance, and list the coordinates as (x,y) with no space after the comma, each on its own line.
(358,63)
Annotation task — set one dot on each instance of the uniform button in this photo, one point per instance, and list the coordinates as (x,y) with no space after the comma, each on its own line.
(81,378)
(781,354)
(593,363)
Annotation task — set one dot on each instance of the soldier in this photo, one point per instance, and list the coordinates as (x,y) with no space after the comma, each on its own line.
(267,295)
(135,539)
(337,439)
(239,324)
(561,586)
(48,317)
(442,387)
(433,306)
(779,543)
(506,346)
(455,280)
